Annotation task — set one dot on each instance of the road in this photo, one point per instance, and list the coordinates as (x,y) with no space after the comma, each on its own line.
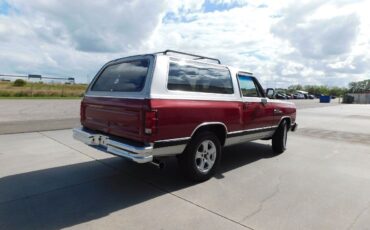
(50,181)
(27,115)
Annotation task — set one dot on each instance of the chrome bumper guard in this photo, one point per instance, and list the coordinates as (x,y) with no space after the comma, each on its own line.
(135,153)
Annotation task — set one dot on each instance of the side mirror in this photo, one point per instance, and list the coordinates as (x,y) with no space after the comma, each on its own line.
(270,92)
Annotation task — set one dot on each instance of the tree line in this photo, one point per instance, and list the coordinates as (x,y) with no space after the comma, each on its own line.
(353,87)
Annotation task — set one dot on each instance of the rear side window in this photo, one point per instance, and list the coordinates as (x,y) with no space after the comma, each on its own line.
(199,78)
(123,77)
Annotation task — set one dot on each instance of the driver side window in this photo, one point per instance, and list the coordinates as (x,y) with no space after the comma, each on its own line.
(247,86)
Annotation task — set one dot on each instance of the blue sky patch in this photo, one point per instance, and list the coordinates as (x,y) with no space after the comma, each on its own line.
(254,53)
(181,17)
(209,6)
(4,7)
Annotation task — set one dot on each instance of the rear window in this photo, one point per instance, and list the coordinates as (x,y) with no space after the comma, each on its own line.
(199,78)
(123,77)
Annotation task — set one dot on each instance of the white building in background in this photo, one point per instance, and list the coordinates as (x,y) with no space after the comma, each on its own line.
(37,78)
(360,98)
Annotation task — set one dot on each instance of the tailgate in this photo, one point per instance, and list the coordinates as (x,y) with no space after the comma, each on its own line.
(115,116)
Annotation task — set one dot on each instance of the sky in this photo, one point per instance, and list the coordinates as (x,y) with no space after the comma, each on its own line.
(281,42)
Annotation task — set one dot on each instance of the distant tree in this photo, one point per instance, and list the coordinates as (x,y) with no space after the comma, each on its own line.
(19,83)
(337,91)
(359,87)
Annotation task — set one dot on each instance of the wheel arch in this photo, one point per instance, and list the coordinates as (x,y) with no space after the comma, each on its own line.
(287,119)
(218,128)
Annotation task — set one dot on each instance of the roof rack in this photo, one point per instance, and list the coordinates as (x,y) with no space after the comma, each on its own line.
(197,57)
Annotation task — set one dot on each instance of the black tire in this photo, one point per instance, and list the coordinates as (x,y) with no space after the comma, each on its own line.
(195,155)
(279,138)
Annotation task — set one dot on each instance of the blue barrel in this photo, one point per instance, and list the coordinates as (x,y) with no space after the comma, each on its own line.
(325,99)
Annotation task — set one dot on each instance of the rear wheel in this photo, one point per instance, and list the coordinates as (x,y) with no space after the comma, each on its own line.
(201,157)
(280,138)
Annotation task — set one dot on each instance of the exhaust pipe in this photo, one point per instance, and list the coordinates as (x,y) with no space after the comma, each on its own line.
(158,164)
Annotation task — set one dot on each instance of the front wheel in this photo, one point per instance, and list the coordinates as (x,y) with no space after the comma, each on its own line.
(280,137)
(201,157)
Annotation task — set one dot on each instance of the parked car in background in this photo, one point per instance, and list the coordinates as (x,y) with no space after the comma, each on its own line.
(171,103)
(299,96)
(304,93)
(310,96)
(280,96)
(290,96)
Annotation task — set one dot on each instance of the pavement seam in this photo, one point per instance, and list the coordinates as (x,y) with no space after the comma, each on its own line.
(150,183)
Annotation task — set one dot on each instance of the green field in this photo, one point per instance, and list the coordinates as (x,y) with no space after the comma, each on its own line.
(41,90)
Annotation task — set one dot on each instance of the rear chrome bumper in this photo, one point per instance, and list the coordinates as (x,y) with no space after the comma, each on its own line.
(135,153)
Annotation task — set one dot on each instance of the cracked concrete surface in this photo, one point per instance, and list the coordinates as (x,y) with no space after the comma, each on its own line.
(358,217)
(50,181)
(262,202)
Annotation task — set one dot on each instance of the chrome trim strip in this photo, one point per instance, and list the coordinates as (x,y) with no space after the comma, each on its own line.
(192,96)
(174,139)
(248,137)
(251,130)
(170,142)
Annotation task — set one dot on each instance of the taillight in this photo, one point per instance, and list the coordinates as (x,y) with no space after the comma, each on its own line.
(150,122)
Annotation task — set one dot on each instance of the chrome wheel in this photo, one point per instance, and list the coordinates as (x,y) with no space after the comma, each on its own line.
(205,157)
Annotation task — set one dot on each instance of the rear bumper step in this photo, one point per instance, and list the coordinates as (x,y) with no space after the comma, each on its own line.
(139,154)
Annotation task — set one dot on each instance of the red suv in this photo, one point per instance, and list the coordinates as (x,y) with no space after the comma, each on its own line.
(170,103)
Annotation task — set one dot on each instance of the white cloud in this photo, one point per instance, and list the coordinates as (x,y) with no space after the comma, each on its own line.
(323,42)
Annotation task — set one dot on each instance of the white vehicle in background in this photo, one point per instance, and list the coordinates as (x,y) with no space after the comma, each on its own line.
(304,93)
(299,96)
